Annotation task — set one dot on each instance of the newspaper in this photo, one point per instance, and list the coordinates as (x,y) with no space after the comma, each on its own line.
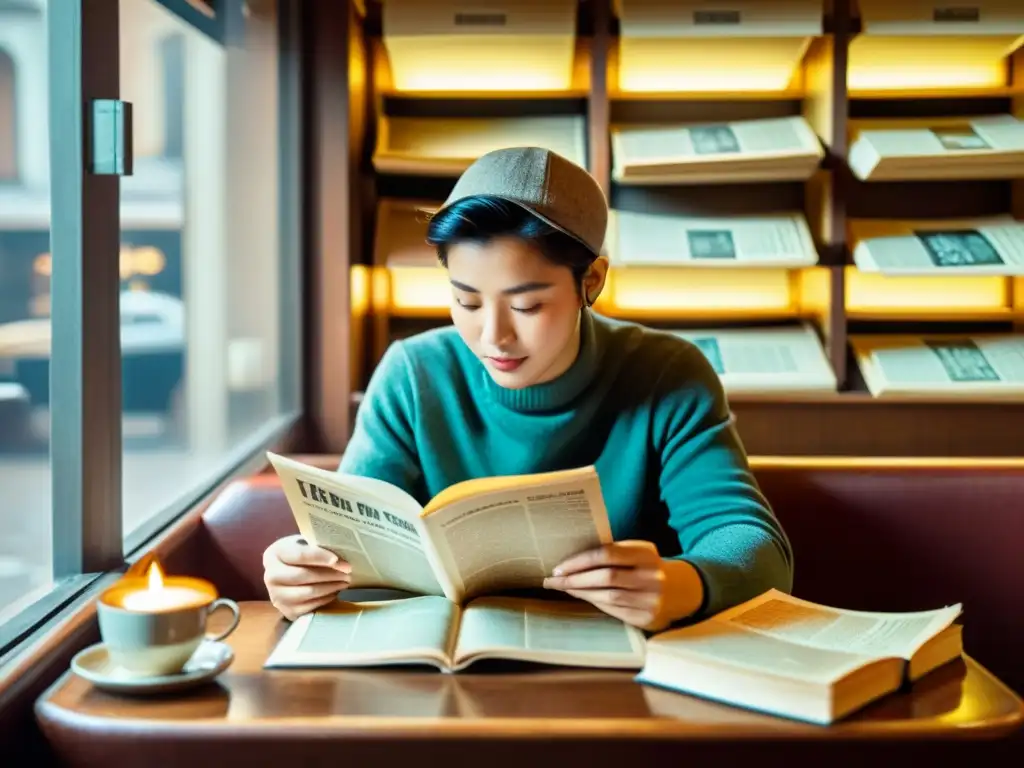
(989,147)
(769,359)
(993,247)
(650,239)
(991,365)
(477,537)
(776,149)
(447,146)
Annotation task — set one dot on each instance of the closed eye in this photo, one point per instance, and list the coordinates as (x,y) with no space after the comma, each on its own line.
(528,310)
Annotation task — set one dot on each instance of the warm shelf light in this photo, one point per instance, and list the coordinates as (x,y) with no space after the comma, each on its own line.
(913,63)
(702,66)
(700,47)
(875,295)
(674,291)
(359,289)
(649,293)
(442,45)
(916,45)
(412,291)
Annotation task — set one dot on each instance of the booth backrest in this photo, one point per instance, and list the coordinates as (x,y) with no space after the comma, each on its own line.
(869,535)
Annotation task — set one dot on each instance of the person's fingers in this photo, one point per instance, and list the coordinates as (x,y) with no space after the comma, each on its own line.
(295,551)
(646,579)
(637,617)
(619,598)
(307,593)
(292,612)
(620,554)
(285,575)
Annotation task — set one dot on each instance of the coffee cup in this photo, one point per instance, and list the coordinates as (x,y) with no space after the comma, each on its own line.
(152,625)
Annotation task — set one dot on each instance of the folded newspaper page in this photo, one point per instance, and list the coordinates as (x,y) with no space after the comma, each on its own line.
(447,146)
(481,536)
(982,247)
(771,149)
(937,149)
(768,359)
(656,240)
(941,365)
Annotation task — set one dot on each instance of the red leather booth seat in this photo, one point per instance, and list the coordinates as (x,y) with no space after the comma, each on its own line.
(870,535)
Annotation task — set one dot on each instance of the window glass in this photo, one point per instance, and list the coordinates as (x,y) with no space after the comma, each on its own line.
(25,509)
(200,301)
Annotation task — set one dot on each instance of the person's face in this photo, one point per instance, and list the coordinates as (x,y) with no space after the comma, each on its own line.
(515,310)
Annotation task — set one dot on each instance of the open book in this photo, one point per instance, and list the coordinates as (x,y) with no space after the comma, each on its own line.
(988,147)
(987,365)
(770,149)
(637,239)
(474,538)
(434,631)
(984,246)
(798,659)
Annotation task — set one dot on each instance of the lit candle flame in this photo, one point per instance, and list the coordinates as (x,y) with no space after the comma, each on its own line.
(156,577)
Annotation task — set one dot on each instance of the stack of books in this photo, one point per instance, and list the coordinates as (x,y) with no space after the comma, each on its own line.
(923,149)
(771,149)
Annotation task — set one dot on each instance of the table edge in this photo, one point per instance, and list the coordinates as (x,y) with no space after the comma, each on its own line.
(53,717)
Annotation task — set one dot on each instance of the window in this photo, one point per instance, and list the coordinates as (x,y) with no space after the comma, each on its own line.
(201,252)
(8,164)
(200,284)
(25,517)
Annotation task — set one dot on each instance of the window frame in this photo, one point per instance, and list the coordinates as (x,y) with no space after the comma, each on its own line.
(85,231)
(218,20)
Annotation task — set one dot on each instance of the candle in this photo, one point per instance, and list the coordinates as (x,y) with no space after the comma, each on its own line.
(161,597)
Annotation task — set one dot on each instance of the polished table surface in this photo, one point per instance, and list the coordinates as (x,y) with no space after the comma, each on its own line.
(391,714)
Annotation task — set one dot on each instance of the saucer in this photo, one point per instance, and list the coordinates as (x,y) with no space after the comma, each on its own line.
(94,664)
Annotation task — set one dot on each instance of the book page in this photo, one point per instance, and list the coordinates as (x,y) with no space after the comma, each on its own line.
(652,239)
(513,536)
(766,359)
(944,364)
(877,635)
(357,634)
(542,630)
(373,526)
(729,643)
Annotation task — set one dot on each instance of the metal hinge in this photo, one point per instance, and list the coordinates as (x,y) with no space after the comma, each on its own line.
(111,133)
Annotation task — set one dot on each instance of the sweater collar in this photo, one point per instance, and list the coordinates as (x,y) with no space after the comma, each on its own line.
(557,393)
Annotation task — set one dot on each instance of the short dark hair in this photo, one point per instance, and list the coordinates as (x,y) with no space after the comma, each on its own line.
(482,218)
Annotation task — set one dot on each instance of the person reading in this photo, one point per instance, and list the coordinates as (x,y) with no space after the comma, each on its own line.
(530,379)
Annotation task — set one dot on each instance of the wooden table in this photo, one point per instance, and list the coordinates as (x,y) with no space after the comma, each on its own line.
(292,718)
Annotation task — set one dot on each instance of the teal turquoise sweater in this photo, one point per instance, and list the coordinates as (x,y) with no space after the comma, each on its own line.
(643,406)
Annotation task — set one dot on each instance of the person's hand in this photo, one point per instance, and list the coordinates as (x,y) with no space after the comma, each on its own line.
(632,582)
(301,577)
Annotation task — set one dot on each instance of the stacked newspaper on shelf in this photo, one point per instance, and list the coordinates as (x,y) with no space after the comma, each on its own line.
(436,146)
(984,246)
(771,149)
(771,359)
(986,365)
(653,239)
(989,147)
(400,238)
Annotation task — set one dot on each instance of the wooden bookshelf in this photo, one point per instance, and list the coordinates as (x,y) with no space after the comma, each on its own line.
(835,81)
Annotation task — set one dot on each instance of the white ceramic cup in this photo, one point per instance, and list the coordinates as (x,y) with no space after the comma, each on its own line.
(150,641)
